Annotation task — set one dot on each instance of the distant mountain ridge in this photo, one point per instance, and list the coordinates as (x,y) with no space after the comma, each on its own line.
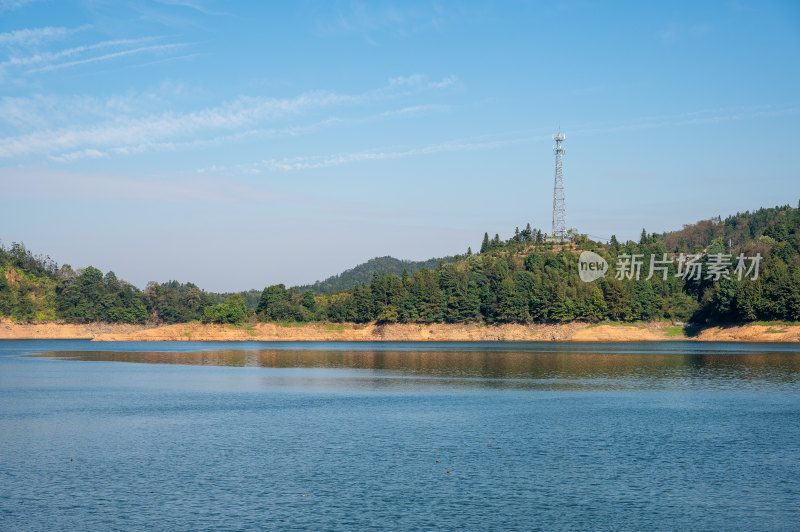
(362,273)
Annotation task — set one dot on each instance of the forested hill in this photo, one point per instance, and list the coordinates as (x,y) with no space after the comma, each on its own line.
(750,264)
(362,273)
(774,223)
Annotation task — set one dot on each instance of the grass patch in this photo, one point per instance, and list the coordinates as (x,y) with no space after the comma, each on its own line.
(334,327)
(775,331)
(677,330)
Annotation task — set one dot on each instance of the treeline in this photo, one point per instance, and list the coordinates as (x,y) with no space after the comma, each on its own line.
(739,229)
(33,287)
(363,273)
(523,279)
(527,279)
(525,236)
(250,297)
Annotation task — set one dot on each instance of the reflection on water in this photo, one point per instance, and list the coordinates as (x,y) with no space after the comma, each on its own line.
(585,368)
(458,436)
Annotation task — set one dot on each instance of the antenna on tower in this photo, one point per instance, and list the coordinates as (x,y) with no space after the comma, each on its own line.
(559,233)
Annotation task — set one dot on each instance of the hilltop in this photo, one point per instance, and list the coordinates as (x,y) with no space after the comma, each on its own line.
(362,273)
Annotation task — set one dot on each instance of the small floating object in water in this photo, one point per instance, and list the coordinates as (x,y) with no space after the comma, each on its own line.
(305,494)
(448,471)
(437,461)
(70,459)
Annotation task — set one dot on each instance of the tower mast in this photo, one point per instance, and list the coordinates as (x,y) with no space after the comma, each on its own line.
(559,233)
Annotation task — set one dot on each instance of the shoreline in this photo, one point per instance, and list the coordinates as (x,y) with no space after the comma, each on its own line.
(398,332)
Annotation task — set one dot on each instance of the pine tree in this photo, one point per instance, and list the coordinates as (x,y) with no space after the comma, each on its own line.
(527,233)
(485,243)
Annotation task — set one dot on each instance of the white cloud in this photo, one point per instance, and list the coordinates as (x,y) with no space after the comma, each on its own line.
(34,36)
(17,67)
(122,133)
(374,21)
(10,5)
(88,153)
(130,131)
(51,57)
(421,81)
(290,131)
(311,162)
(412,80)
(444,82)
(327,161)
(47,111)
(105,57)
(197,6)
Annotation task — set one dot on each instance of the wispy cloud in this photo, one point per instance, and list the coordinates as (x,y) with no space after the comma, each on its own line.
(245,116)
(106,57)
(444,82)
(50,57)
(122,132)
(88,153)
(418,80)
(311,162)
(290,131)
(49,112)
(10,5)
(326,161)
(104,51)
(35,36)
(198,6)
(373,21)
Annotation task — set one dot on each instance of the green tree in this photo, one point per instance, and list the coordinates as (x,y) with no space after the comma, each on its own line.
(485,243)
(309,301)
(233,310)
(598,306)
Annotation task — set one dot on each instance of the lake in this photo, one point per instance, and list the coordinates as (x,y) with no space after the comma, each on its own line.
(411,436)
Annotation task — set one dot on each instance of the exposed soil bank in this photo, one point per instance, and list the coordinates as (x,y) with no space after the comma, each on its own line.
(265,332)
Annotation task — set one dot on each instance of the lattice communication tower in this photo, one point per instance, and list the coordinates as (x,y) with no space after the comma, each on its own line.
(559,233)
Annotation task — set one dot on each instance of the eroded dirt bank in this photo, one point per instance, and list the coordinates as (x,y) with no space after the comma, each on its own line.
(575,332)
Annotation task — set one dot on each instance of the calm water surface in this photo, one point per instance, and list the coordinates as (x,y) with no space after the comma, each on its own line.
(337,436)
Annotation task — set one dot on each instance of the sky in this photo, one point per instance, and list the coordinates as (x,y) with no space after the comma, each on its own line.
(242,144)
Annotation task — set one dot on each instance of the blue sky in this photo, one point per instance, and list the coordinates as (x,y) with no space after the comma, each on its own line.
(241,144)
